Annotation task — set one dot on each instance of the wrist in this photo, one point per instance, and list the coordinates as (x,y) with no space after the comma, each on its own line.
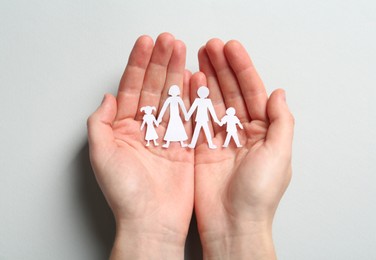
(247,241)
(137,242)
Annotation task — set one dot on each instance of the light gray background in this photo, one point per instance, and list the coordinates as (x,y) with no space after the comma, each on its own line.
(58,58)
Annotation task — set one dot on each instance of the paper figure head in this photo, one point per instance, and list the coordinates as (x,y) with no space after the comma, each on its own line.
(148,109)
(230,111)
(174,91)
(203,92)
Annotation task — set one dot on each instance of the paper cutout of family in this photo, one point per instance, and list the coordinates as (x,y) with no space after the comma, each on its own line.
(231,120)
(175,129)
(150,121)
(204,107)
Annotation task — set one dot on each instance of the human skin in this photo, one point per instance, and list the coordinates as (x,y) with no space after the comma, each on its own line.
(237,190)
(150,190)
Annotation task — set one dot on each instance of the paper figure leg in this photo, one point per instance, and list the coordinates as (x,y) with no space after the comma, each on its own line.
(236,139)
(147,143)
(155,142)
(183,144)
(195,136)
(208,136)
(166,145)
(227,141)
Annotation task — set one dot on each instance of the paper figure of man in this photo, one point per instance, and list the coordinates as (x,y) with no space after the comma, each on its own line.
(149,120)
(175,129)
(204,106)
(231,120)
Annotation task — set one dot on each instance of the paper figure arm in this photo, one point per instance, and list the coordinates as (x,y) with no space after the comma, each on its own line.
(142,125)
(181,103)
(191,110)
(212,113)
(240,125)
(223,120)
(163,110)
(237,122)
(155,122)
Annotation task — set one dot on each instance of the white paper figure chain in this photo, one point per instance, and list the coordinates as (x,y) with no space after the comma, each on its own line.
(203,106)
(149,120)
(175,129)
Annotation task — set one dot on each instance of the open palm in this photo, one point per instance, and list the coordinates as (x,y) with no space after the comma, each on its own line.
(152,190)
(148,188)
(236,188)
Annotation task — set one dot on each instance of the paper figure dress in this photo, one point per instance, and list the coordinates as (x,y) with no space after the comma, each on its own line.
(149,120)
(175,129)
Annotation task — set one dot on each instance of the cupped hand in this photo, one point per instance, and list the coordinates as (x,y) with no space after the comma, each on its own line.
(237,190)
(149,189)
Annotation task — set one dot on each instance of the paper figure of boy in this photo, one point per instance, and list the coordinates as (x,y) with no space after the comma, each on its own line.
(203,106)
(150,121)
(231,120)
(175,129)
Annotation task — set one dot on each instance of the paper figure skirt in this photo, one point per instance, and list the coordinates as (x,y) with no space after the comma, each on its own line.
(175,131)
(151,134)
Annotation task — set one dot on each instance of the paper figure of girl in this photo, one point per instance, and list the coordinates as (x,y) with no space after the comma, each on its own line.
(175,129)
(231,120)
(150,121)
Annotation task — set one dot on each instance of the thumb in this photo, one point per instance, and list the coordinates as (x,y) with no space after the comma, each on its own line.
(281,128)
(99,124)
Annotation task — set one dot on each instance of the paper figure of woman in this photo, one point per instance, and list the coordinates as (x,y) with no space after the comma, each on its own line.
(175,129)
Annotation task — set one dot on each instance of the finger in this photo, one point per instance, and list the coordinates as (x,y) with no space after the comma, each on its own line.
(99,125)
(175,73)
(281,128)
(155,75)
(251,85)
(213,85)
(227,81)
(198,79)
(133,77)
(176,69)
(186,88)
(186,100)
